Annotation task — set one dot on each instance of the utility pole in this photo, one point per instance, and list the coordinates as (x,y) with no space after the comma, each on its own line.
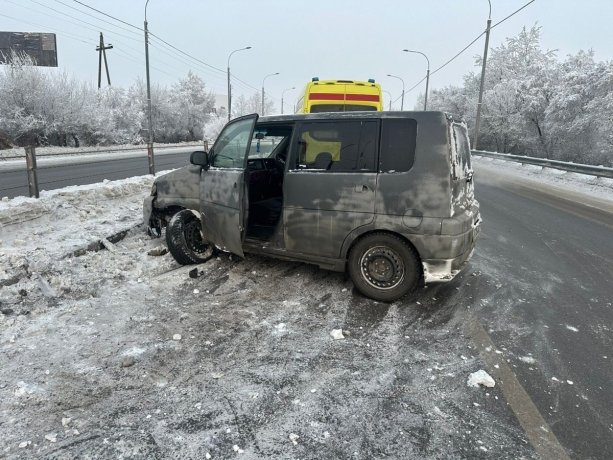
(480,103)
(263,80)
(150,141)
(102,51)
(427,75)
(283,94)
(229,84)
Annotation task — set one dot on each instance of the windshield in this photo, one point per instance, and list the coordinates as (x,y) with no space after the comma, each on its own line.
(263,148)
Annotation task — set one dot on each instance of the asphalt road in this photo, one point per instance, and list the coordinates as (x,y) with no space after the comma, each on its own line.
(544,269)
(53,175)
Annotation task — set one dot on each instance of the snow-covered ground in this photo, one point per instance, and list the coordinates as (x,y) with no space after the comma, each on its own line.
(121,353)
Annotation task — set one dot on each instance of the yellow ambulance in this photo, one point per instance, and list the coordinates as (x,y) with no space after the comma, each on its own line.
(340,96)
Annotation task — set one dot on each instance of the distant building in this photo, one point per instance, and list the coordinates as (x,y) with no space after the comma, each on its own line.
(221,103)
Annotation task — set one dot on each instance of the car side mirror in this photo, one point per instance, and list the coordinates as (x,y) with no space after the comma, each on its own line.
(200,158)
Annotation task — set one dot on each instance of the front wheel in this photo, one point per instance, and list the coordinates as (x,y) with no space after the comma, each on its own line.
(384,267)
(184,239)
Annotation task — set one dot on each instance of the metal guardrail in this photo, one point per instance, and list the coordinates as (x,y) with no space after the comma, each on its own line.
(598,171)
(135,148)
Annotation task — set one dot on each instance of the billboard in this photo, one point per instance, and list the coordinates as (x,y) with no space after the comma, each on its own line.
(39,46)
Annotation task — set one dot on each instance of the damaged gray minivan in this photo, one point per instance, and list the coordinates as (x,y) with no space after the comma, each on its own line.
(386,196)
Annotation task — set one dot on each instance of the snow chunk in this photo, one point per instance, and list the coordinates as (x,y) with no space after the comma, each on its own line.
(527,359)
(572,328)
(294,438)
(176,337)
(337,334)
(480,378)
(51,437)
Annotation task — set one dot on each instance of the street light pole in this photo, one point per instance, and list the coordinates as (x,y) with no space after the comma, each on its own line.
(282,94)
(229,84)
(402,101)
(390,99)
(263,80)
(487,41)
(150,123)
(427,75)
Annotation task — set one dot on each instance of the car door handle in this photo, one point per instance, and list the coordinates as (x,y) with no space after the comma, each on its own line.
(359,188)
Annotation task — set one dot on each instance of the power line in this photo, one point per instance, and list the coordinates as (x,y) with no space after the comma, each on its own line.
(221,71)
(98,28)
(95,29)
(95,17)
(50,28)
(513,14)
(187,54)
(107,15)
(466,47)
(244,83)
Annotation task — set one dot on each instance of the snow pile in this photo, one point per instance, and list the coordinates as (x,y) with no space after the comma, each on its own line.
(35,232)
(337,334)
(480,378)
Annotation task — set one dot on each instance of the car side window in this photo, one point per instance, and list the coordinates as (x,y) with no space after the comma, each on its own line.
(462,149)
(344,146)
(398,140)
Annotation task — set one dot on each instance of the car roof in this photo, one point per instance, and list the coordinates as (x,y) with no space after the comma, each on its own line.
(419,115)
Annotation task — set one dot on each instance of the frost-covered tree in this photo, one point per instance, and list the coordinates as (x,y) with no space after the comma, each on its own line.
(520,82)
(213,126)
(242,106)
(535,105)
(24,92)
(193,104)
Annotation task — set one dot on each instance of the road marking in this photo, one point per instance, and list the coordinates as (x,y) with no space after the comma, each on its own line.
(538,431)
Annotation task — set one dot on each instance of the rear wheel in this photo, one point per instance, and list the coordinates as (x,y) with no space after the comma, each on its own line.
(384,267)
(184,239)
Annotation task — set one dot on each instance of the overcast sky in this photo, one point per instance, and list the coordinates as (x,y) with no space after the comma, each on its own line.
(345,39)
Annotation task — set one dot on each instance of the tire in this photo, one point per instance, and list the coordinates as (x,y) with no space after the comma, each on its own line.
(384,267)
(184,239)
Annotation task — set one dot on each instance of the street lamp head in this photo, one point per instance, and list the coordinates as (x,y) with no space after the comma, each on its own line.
(418,52)
(247,47)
